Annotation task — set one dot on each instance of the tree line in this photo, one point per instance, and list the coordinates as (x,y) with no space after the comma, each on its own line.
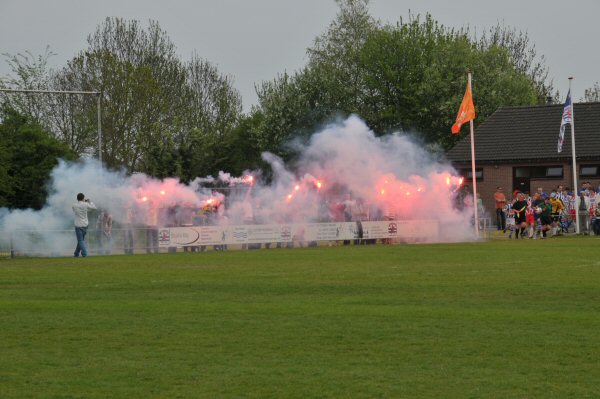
(164,116)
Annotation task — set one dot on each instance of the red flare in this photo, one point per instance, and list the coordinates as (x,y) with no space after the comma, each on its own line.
(297,187)
(460,181)
(319,184)
(448,180)
(162,192)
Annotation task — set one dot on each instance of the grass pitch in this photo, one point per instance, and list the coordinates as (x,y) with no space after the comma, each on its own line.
(498,319)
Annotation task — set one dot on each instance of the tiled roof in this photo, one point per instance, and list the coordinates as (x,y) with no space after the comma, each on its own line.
(531,133)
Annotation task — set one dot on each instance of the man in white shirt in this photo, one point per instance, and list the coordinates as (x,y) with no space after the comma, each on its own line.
(80,209)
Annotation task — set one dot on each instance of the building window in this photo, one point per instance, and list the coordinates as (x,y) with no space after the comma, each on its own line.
(554,171)
(589,170)
(468,175)
(522,172)
(539,172)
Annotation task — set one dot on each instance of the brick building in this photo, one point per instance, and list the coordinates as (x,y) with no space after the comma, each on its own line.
(516,148)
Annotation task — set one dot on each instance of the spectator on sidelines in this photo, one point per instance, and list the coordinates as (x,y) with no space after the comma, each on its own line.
(546,216)
(570,203)
(222,220)
(128,229)
(592,197)
(515,194)
(247,216)
(557,208)
(98,233)
(349,211)
(107,222)
(596,221)
(519,207)
(510,219)
(500,200)
(540,191)
(530,220)
(152,228)
(583,206)
(561,194)
(536,204)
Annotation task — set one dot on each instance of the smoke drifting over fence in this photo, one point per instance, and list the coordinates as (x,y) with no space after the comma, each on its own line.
(389,177)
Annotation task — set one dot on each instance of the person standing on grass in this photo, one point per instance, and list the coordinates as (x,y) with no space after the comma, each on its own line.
(530,220)
(500,199)
(152,228)
(583,207)
(536,202)
(546,216)
(98,233)
(596,221)
(519,207)
(107,223)
(80,209)
(557,208)
(510,220)
(128,228)
(349,210)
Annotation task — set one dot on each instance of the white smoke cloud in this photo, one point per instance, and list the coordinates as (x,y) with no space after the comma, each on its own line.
(387,175)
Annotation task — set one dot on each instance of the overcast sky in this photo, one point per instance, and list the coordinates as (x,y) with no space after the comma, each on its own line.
(254,40)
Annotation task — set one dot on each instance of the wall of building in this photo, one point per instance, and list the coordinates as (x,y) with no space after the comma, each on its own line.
(494,176)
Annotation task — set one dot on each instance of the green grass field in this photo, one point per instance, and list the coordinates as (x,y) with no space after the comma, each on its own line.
(498,319)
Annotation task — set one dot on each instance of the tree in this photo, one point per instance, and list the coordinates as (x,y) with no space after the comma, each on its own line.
(27,156)
(158,112)
(337,54)
(141,80)
(215,109)
(282,106)
(6,181)
(416,75)
(329,86)
(592,94)
(522,55)
(30,73)
(60,114)
(408,76)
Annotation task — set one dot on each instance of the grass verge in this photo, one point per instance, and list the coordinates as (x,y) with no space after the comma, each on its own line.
(499,319)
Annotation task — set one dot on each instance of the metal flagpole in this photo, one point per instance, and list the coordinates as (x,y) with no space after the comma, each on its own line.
(473,170)
(575,187)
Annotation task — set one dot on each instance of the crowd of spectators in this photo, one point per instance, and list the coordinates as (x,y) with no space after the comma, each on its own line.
(140,221)
(543,214)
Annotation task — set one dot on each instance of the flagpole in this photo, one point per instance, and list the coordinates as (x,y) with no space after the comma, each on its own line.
(473,170)
(576,187)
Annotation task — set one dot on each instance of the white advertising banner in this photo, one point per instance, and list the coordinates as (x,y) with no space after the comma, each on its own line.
(272,233)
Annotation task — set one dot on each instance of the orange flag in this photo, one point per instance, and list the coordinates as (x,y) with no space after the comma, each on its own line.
(466,112)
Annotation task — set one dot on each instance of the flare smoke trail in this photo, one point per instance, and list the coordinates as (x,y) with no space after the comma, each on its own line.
(387,175)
